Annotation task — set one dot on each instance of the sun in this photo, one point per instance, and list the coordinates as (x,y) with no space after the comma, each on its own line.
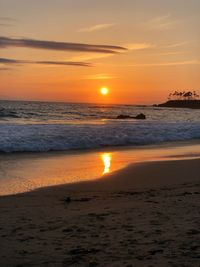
(104,90)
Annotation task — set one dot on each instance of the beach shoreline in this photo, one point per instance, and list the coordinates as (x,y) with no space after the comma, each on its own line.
(145,214)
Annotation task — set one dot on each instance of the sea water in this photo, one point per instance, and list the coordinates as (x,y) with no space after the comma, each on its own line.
(45,126)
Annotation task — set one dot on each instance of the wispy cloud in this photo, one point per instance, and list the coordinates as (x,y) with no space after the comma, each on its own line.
(7,61)
(178,44)
(172,53)
(175,63)
(89,56)
(7,21)
(64,63)
(4,69)
(97,27)
(5,25)
(139,46)
(99,76)
(128,47)
(6,42)
(165,22)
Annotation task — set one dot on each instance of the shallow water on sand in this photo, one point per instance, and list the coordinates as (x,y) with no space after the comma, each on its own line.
(26,172)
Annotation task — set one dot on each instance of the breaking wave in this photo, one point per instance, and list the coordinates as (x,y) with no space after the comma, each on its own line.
(60,137)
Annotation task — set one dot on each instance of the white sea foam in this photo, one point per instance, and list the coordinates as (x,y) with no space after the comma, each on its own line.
(57,137)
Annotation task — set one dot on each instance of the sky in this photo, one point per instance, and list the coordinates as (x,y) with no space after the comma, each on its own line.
(66,50)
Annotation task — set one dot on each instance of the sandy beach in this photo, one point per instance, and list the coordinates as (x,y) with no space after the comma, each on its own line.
(146,214)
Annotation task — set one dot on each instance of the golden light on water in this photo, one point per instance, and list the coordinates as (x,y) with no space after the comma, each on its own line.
(106,158)
(104,91)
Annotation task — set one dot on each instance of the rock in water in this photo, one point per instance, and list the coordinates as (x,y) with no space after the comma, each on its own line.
(123,117)
(140,116)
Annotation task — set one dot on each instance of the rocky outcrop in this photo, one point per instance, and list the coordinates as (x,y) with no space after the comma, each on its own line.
(195,104)
(140,116)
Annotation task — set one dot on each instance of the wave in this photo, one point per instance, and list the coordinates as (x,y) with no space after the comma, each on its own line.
(4,113)
(59,137)
(42,115)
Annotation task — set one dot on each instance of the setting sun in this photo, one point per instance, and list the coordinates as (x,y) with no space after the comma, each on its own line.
(104,91)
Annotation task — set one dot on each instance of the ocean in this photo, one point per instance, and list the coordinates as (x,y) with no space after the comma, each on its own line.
(45,126)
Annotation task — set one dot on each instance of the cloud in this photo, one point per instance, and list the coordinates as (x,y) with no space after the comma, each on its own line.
(129,47)
(6,61)
(187,62)
(6,21)
(89,56)
(178,44)
(10,61)
(5,25)
(100,76)
(97,27)
(165,22)
(138,46)
(64,63)
(6,42)
(4,69)
(159,64)
(172,53)
(175,63)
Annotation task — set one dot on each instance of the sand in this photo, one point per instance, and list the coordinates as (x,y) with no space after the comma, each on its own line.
(144,215)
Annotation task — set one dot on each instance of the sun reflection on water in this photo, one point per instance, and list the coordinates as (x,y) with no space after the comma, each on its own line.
(106,158)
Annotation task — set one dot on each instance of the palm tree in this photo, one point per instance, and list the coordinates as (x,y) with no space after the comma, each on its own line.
(183,95)
(175,94)
(188,95)
(169,97)
(195,95)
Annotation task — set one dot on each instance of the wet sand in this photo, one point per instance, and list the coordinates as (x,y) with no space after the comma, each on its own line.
(146,214)
(22,172)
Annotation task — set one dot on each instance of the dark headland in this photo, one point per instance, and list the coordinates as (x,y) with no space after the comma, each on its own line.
(182,99)
(195,104)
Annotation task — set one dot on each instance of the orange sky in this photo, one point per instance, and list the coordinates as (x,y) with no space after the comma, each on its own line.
(160,41)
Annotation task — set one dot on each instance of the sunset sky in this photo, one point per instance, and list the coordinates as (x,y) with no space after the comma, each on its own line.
(66,50)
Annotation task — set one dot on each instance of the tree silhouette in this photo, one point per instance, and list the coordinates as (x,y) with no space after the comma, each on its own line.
(183,95)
